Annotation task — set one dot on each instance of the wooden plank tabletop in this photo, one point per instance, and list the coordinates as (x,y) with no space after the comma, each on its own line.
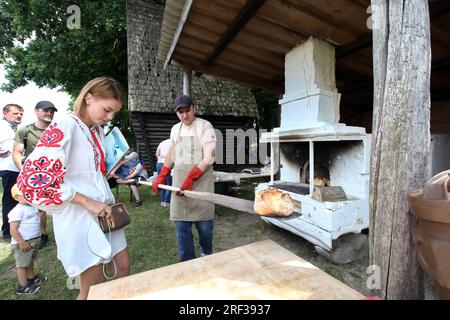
(261,270)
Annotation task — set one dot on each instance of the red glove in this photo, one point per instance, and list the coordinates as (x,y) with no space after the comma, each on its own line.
(192,176)
(160,178)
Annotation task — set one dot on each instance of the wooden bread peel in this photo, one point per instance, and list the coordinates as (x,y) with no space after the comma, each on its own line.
(222,200)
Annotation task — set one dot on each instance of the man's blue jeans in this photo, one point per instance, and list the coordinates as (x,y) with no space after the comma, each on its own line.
(164,194)
(186,247)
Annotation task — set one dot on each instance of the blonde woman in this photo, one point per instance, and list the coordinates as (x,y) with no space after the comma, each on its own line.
(65,176)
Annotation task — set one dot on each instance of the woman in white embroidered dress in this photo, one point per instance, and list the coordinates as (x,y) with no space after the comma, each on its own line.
(65,175)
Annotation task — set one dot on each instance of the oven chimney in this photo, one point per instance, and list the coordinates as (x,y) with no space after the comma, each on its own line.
(311,98)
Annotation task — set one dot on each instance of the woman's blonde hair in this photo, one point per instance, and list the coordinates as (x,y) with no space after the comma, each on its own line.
(101,87)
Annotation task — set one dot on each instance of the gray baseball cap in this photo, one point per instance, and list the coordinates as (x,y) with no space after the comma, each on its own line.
(45,105)
(183,101)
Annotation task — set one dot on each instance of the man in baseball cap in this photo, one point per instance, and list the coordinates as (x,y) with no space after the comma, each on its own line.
(183,101)
(191,153)
(45,105)
(26,140)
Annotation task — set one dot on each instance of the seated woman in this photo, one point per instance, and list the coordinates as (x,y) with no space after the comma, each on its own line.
(129,171)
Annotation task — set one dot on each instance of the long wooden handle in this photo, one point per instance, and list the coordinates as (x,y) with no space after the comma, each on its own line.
(161,186)
(226,201)
(170,188)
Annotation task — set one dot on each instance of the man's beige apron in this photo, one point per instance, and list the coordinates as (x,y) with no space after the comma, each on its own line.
(188,153)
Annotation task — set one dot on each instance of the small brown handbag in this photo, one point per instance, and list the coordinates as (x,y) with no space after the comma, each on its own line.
(120,218)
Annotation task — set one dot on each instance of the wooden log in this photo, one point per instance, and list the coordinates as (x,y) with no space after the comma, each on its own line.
(329,194)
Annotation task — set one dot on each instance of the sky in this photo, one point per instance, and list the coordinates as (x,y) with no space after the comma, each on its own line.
(29,95)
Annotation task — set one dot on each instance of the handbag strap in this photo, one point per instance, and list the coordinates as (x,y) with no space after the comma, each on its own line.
(104,264)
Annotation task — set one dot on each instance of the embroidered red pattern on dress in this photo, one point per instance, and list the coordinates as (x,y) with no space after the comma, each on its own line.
(40,181)
(51,137)
(96,158)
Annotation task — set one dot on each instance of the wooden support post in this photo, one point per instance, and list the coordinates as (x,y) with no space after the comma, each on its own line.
(400,142)
(272,163)
(187,80)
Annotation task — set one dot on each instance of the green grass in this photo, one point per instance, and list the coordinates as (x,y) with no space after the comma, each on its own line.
(152,244)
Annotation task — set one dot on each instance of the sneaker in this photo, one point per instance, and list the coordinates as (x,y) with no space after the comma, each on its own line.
(165,204)
(44,240)
(37,279)
(29,288)
(6,237)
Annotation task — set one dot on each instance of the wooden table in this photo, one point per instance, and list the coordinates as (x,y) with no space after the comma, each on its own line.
(262,270)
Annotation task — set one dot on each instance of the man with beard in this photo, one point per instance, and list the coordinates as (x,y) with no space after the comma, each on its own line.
(12,117)
(26,140)
(192,152)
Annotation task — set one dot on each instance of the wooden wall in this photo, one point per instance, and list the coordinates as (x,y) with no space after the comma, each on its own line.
(152,128)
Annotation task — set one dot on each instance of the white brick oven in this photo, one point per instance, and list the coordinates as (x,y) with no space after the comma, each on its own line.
(311,142)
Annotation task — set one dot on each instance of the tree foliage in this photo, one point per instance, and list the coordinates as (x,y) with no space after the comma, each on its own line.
(53,54)
(37,45)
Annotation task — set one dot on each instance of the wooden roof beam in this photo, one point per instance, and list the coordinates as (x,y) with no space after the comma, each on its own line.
(181,22)
(235,76)
(364,82)
(244,16)
(227,62)
(436,10)
(190,46)
(322,16)
(243,48)
(363,42)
